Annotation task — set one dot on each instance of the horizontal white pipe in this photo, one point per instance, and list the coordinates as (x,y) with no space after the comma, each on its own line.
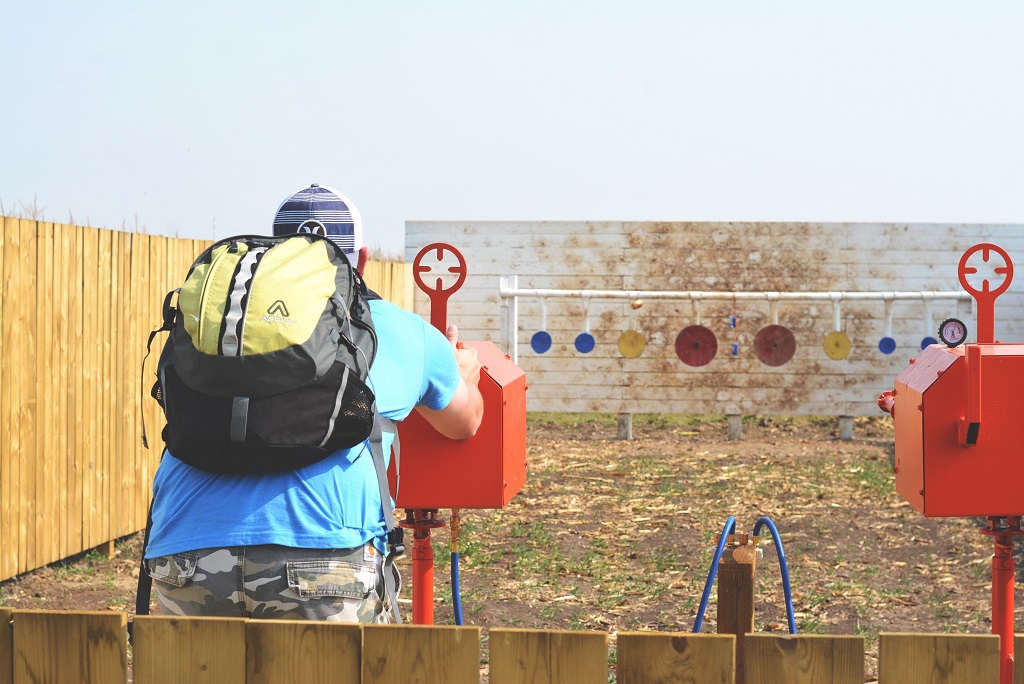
(760,296)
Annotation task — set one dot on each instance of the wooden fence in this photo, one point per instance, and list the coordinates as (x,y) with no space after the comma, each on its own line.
(76,307)
(91,648)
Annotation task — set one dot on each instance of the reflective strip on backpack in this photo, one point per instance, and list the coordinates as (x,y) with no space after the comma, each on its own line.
(239,419)
(234,316)
(337,407)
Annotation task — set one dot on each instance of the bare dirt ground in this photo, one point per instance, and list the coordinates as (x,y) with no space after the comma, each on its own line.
(612,535)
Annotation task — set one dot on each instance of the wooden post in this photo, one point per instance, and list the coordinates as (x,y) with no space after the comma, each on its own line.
(735,426)
(846,428)
(736,595)
(626,426)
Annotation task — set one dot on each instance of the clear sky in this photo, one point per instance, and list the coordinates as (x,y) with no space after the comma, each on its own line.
(196,118)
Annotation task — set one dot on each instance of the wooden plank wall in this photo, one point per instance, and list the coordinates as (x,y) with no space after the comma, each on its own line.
(77,305)
(84,647)
(740,257)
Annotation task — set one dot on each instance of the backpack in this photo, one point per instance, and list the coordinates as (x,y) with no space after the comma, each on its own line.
(266,362)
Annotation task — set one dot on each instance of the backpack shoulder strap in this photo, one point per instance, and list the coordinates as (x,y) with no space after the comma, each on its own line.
(396,545)
(169,311)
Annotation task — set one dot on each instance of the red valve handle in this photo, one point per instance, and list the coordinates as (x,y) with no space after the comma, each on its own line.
(438,294)
(985,297)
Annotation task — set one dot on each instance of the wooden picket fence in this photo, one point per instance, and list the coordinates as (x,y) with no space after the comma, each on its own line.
(91,648)
(76,307)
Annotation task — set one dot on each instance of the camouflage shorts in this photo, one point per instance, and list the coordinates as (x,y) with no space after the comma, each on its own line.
(274,582)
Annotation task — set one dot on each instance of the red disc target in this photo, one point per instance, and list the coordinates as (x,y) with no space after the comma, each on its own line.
(774,345)
(696,345)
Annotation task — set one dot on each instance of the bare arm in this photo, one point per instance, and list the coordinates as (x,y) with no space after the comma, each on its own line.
(461,418)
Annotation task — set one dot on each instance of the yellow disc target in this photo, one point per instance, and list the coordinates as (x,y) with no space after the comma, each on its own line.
(631,344)
(837,345)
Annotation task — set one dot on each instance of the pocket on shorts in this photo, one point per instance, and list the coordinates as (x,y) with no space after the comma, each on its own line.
(331,579)
(176,570)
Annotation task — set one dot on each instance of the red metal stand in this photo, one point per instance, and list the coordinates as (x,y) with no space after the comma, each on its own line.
(1002,588)
(421,521)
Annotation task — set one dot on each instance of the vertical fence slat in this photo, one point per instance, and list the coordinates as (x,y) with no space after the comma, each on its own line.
(105,510)
(301,651)
(1018,654)
(27,410)
(114,395)
(46,528)
(8,511)
(90,386)
(807,659)
(6,645)
(119,355)
(168,650)
(121,351)
(418,654)
(140,313)
(949,658)
(70,648)
(660,658)
(76,393)
(127,357)
(525,656)
(61,288)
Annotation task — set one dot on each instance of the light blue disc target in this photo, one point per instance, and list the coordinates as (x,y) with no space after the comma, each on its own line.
(540,342)
(887,345)
(928,341)
(584,343)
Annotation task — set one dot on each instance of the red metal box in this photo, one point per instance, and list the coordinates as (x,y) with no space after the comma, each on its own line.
(485,471)
(934,472)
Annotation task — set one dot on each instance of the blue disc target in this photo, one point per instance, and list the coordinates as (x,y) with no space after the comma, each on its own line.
(584,343)
(540,342)
(887,345)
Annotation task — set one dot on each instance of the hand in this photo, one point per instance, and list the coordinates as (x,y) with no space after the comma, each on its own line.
(469,363)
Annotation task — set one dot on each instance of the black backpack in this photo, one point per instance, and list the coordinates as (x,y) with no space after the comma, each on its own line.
(266,362)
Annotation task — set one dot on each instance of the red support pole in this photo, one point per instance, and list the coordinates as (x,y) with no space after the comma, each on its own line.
(422,577)
(1002,590)
(421,521)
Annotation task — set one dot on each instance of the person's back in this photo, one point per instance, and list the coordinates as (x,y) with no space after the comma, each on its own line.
(308,543)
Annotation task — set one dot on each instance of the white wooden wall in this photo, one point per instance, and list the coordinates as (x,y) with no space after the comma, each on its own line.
(742,257)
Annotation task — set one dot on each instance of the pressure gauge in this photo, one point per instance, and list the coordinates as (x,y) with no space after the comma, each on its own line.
(952,332)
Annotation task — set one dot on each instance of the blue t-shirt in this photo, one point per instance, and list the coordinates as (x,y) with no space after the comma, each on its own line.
(332,504)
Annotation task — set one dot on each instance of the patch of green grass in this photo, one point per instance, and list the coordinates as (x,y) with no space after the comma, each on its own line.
(874,477)
(869,633)
(573,419)
(810,625)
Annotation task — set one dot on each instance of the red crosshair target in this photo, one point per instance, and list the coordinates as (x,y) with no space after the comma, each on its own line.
(438,294)
(986,296)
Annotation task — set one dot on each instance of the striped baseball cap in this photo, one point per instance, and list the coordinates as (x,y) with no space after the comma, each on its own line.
(324,211)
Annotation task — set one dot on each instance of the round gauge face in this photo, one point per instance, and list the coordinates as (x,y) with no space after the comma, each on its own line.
(952,332)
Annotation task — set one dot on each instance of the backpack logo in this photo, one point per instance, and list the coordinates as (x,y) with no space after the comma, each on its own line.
(277,313)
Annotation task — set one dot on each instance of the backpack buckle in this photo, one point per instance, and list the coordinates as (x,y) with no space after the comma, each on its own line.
(396,541)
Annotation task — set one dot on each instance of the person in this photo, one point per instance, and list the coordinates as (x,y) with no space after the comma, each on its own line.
(309,543)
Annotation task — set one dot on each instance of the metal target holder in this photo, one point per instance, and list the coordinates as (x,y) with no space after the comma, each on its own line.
(510,293)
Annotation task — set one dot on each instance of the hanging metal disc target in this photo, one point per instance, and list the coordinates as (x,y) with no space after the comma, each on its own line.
(631,344)
(541,341)
(774,345)
(696,345)
(584,343)
(837,345)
